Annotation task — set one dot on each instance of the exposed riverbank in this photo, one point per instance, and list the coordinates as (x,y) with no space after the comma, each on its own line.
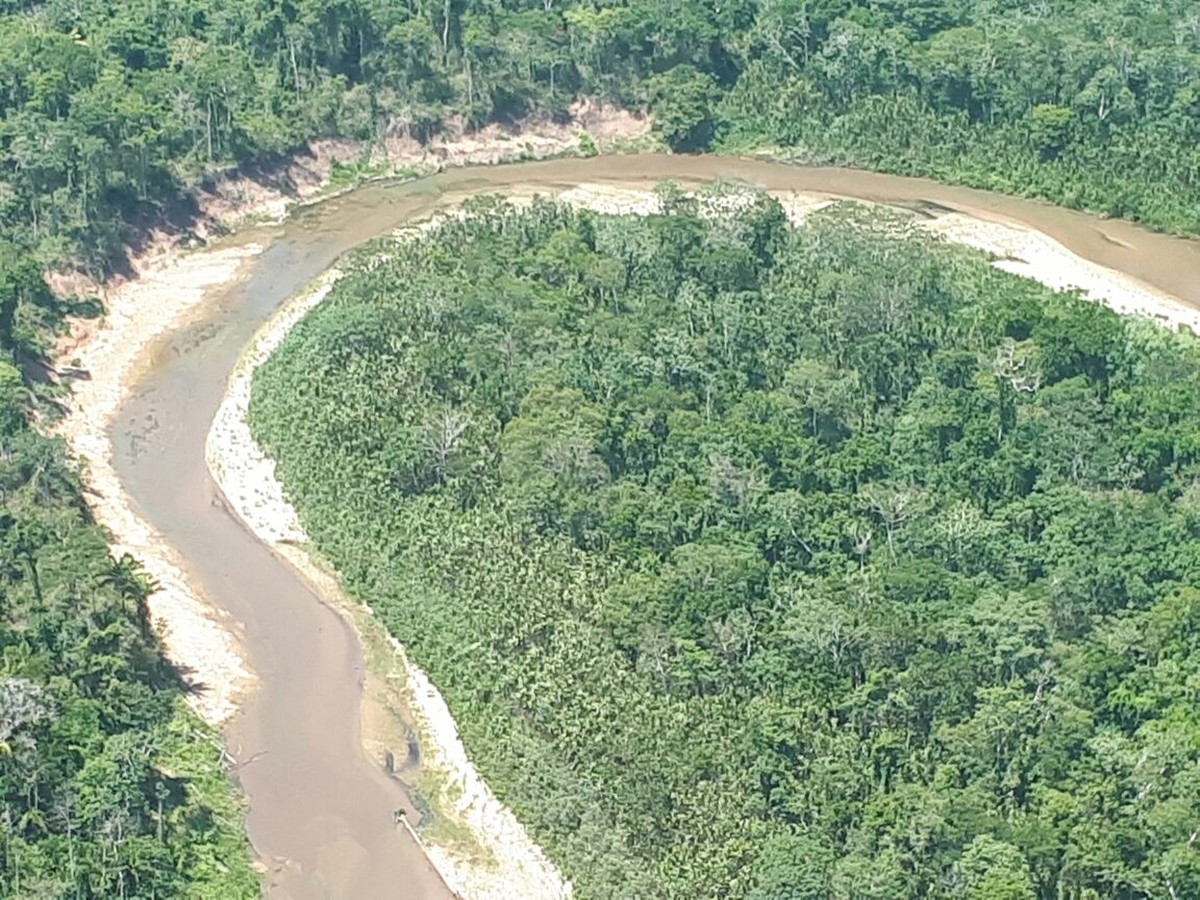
(504,861)
(253,607)
(165,290)
(1026,252)
(201,641)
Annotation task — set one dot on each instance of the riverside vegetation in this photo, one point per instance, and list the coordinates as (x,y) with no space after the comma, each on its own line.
(768,562)
(111,112)
(109,785)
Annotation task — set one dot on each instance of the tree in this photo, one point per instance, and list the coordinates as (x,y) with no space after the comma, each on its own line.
(1050,128)
(682,100)
(990,869)
(792,867)
(132,584)
(443,433)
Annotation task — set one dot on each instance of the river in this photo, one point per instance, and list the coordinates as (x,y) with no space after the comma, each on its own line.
(320,812)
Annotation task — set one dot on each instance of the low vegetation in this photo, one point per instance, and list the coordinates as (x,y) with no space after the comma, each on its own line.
(771,563)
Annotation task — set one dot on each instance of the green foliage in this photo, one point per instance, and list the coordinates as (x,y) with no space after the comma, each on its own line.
(993,870)
(1086,104)
(771,563)
(109,785)
(587,145)
(1050,129)
(682,101)
(109,111)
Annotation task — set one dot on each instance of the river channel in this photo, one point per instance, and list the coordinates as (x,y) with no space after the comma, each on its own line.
(320,811)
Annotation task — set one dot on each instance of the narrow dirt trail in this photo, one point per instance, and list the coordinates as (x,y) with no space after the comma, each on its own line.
(320,810)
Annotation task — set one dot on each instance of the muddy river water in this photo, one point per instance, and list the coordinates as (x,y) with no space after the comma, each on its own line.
(320,811)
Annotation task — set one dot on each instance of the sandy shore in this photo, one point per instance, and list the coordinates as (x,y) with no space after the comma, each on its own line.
(169,290)
(166,291)
(506,863)
(1031,254)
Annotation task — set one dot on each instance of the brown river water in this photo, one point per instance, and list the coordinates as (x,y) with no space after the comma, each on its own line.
(320,811)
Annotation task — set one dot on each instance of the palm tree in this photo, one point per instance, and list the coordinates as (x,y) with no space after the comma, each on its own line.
(127,577)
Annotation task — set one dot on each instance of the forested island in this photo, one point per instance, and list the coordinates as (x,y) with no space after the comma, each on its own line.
(768,562)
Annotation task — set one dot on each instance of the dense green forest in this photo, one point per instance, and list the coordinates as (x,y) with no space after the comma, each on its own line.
(108,110)
(772,563)
(109,786)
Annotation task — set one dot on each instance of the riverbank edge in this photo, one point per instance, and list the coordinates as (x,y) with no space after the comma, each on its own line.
(168,287)
(396,694)
(246,477)
(478,846)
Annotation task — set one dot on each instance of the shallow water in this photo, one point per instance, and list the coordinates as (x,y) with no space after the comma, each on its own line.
(320,811)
